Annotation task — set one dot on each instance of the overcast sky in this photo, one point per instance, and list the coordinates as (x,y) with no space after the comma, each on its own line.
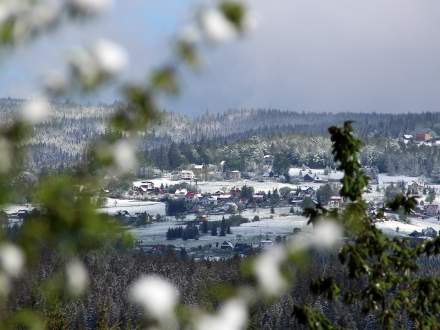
(311,55)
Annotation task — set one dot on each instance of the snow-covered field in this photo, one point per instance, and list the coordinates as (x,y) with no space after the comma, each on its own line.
(10,209)
(282,224)
(385,179)
(113,206)
(214,186)
(389,227)
(252,232)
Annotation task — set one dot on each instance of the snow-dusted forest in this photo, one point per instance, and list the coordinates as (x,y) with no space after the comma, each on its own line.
(234,135)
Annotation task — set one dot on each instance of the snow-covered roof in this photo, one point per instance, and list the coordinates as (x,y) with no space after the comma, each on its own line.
(224,196)
(138,184)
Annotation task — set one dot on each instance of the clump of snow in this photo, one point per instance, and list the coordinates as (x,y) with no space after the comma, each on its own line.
(104,58)
(77,277)
(36,110)
(110,57)
(327,233)
(267,271)
(124,156)
(216,27)
(233,315)
(324,235)
(11,259)
(156,295)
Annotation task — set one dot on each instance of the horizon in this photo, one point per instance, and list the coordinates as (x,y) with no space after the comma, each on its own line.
(97,103)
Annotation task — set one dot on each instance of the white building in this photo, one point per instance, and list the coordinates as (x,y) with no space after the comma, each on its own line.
(186,175)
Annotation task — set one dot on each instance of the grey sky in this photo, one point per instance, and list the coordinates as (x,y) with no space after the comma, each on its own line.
(311,55)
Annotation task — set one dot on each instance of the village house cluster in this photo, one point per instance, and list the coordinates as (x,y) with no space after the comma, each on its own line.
(421,138)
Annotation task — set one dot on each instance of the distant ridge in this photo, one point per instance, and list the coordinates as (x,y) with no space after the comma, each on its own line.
(61,140)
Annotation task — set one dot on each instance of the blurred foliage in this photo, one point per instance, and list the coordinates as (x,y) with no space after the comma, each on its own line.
(390,285)
(65,218)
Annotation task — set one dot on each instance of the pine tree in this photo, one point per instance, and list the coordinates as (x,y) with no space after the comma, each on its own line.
(204,227)
(228,230)
(223,227)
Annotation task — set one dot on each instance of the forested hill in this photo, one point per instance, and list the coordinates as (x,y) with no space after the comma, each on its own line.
(266,121)
(60,140)
(178,127)
(367,124)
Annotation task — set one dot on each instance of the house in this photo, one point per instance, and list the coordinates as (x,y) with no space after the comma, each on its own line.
(304,191)
(429,232)
(431,210)
(227,245)
(233,175)
(143,186)
(186,175)
(414,188)
(308,177)
(235,192)
(191,196)
(204,172)
(335,202)
(181,193)
(199,171)
(407,138)
(212,200)
(268,160)
(423,136)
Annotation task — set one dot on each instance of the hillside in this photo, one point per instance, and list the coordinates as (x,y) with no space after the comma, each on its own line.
(60,141)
